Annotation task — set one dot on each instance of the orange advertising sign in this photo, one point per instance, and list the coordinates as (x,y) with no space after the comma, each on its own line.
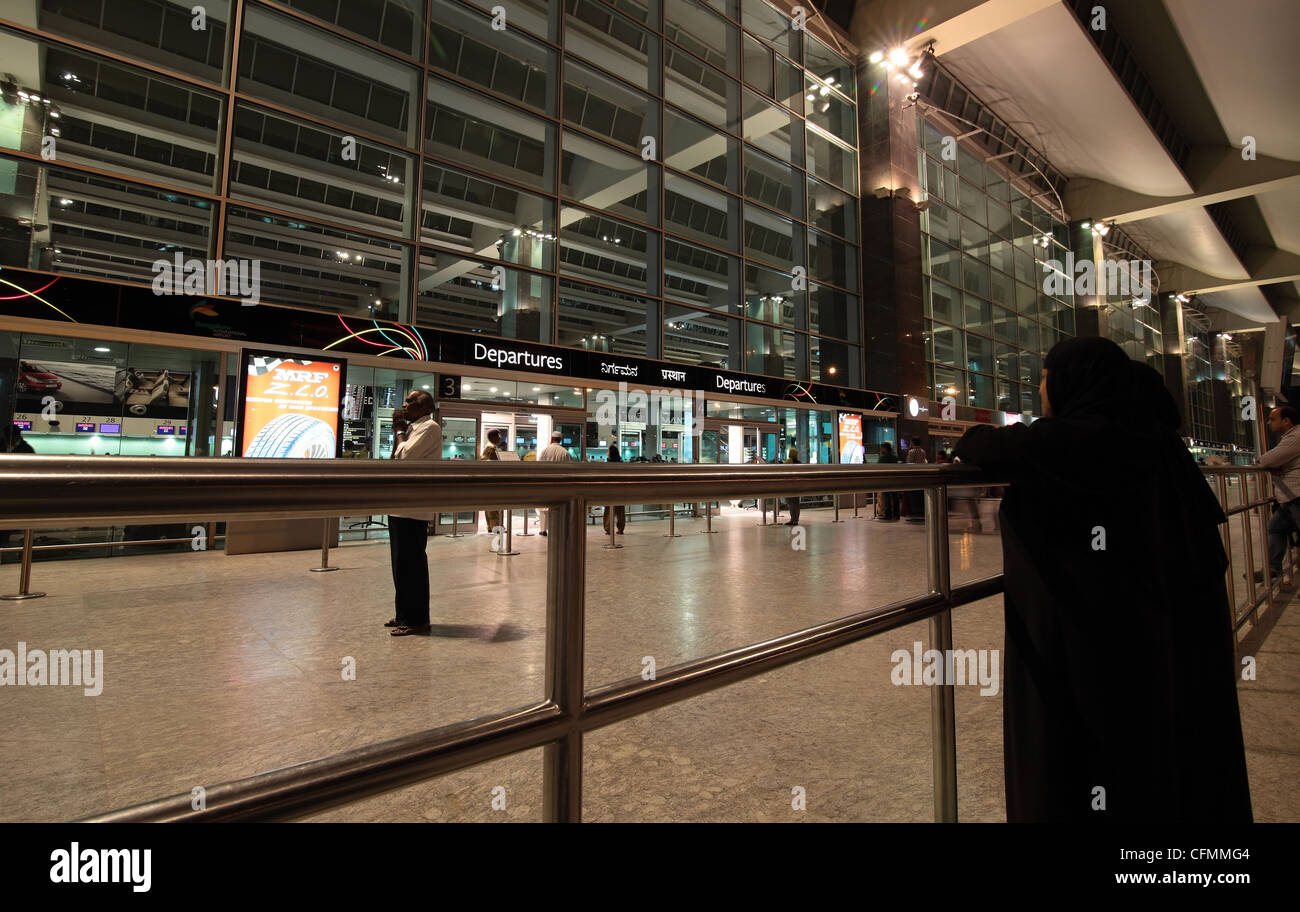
(289,407)
(851,451)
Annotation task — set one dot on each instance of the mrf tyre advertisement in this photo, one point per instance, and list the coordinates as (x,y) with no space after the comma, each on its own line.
(290,407)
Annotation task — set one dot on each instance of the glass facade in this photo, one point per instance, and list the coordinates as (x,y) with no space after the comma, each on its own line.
(988,257)
(670,178)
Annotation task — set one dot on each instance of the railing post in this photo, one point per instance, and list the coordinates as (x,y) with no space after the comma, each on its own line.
(324,551)
(25,574)
(609,517)
(672,521)
(943,713)
(566,554)
(1221,482)
(837,510)
(708,518)
(455,526)
(508,550)
(525,533)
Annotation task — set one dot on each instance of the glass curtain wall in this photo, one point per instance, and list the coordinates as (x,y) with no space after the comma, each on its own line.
(987,249)
(666,178)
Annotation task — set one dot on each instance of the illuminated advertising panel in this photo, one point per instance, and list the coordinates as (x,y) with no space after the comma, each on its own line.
(290,407)
(851,451)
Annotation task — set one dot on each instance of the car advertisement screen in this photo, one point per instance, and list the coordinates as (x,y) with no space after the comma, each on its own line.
(290,408)
(851,451)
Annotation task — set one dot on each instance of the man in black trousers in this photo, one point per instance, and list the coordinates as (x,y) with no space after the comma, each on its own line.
(408,536)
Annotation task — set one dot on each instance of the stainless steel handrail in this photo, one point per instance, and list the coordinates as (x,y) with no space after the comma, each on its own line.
(61,489)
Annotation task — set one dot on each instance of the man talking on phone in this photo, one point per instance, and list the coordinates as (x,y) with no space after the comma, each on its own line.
(408,536)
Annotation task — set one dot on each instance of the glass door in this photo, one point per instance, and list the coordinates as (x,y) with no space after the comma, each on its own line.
(458,437)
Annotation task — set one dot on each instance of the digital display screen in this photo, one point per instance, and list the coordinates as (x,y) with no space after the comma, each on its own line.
(166,429)
(568,441)
(290,407)
(184,430)
(110,428)
(23,425)
(86,428)
(851,439)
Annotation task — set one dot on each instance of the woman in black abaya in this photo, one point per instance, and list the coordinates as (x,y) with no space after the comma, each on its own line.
(1120,699)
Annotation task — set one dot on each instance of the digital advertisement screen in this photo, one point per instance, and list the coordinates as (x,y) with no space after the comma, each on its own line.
(110,428)
(86,428)
(290,408)
(23,425)
(851,451)
(166,429)
(184,430)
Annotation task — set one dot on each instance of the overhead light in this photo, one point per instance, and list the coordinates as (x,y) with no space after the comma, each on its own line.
(100,348)
(54,114)
(898,57)
(876,57)
(425,386)
(492,389)
(537,389)
(64,201)
(915,70)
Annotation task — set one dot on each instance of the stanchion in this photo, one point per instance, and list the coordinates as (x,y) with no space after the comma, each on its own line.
(855,505)
(837,509)
(325,550)
(672,522)
(762,505)
(609,518)
(455,526)
(525,533)
(708,518)
(510,524)
(25,575)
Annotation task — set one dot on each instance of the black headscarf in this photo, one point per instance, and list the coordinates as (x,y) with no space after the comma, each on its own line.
(1093,379)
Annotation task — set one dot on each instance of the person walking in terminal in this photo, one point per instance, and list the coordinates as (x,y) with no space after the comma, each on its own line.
(1119,697)
(555,452)
(792,503)
(408,536)
(493,517)
(1283,461)
(617,513)
(888,499)
(914,500)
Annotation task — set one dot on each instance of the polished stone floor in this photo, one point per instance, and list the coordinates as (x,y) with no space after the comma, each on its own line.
(218,667)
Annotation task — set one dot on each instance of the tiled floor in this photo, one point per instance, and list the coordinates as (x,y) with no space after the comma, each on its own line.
(219,667)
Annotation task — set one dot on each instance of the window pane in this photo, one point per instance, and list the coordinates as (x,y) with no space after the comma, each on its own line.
(321,267)
(1000,255)
(605,107)
(541,17)
(758,66)
(945,262)
(471,214)
(600,319)
(769,297)
(693,210)
(772,26)
(767,126)
(468,295)
(946,345)
(1008,362)
(598,34)
(832,113)
(769,350)
(695,337)
(832,361)
(691,146)
(1004,324)
(770,182)
(999,219)
(832,312)
(981,392)
(828,66)
(339,81)
(467,128)
(973,203)
(832,261)
(299,167)
(152,31)
(979,315)
(617,253)
(392,23)
(945,303)
(110,116)
(704,33)
(976,276)
(831,209)
(831,161)
(771,238)
(949,382)
(979,352)
(463,42)
(602,177)
(701,90)
(700,276)
(942,223)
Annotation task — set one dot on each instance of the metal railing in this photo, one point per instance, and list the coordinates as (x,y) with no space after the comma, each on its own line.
(1255,496)
(45,490)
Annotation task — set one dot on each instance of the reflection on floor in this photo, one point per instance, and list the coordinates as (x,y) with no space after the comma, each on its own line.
(220,667)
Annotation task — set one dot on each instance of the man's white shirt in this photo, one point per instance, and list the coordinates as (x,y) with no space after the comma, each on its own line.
(423,441)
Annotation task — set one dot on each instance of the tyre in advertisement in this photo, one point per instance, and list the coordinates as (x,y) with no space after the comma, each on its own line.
(290,408)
